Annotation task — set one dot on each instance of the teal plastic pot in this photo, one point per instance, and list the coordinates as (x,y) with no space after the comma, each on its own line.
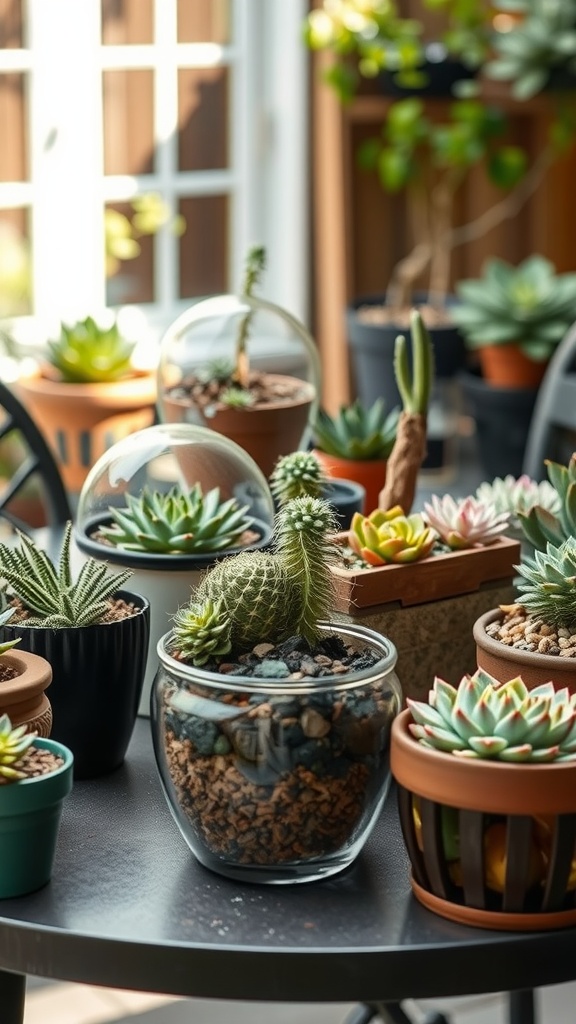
(30,812)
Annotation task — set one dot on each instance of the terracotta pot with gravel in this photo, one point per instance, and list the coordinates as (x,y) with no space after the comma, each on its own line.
(24,678)
(271,724)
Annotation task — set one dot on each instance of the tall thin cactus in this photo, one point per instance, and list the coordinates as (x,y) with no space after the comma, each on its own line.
(255,264)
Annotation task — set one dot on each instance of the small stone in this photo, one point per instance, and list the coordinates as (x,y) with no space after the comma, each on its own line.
(544,645)
(261,650)
(314,725)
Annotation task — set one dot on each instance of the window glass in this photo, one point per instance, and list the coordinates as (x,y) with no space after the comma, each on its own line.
(128,280)
(204,246)
(15,276)
(128,122)
(11,22)
(202,118)
(13,157)
(127,22)
(206,22)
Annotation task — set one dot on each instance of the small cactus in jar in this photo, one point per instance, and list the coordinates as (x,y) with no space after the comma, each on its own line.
(14,743)
(384,537)
(464,522)
(177,522)
(482,718)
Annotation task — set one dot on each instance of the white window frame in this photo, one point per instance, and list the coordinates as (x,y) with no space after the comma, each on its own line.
(267,179)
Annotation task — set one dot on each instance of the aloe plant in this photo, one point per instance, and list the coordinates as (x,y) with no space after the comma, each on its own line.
(177,522)
(384,537)
(481,718)
(543,524)
(547,585)
(356,432)
(14,742)
(50,593)
(265,595)
(464,522)
(86,352)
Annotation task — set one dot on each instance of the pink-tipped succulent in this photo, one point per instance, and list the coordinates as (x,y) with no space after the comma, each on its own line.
(464,522)
(384,537)
(505,722)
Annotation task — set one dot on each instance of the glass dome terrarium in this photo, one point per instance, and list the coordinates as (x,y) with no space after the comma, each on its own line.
(167,502)
(244,367)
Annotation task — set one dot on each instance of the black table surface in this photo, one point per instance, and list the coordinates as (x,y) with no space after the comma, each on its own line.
(130,907)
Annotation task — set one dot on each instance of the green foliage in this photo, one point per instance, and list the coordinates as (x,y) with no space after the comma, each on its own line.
(415,386)
(542,42)
(4,617)
(267,596)
(553,523)
(529,304)
(236,398)
(548,585)
(177,522)
(87,353)
(201,631)
(356,432)
(50,593)
(13,744)
(384,537)
(482,718)
(295,476)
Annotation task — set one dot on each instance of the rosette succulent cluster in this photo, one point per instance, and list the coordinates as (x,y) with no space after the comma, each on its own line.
(87,352)
(177,522)
(357,432)
(13,744)
(547,523)
(518,495)
(482,718)
(464,522)
(547,585)
(384,537)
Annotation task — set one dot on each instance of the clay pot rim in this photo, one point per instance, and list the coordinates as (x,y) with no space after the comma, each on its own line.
(34,674)
(376,462)
(549,662)
(496,787)
(307,394)
(141,383)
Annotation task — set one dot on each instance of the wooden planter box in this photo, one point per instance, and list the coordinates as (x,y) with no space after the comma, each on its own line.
(428,608)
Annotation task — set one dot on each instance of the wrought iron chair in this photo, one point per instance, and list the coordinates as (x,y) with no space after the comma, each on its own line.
(552,433)
(28,460)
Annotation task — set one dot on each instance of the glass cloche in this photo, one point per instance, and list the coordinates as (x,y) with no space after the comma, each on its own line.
(173,457)
(244,367)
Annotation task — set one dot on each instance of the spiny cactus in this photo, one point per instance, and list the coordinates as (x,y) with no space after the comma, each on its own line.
(548,585)
(255,265)
(177,522)
(53,597)
(297,475)
(409,448)
(464,522)
(268,596)
(13,744)
(506,722)
(542,524)
(88,353)
(356,432)
(384,537)
(517,495)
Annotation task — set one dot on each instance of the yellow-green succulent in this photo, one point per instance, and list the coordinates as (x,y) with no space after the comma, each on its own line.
(384,537)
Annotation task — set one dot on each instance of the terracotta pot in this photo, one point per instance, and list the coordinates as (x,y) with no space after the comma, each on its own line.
(23,698)
(265,431)
(81,421)
(447,807)
(504,662)
(506,366)
(369,473)
(428,608)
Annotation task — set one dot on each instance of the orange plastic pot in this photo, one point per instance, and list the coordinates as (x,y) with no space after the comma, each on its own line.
(369,473)
(506,366)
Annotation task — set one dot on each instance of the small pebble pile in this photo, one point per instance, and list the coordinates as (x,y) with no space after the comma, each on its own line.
(520,630)
(34,762)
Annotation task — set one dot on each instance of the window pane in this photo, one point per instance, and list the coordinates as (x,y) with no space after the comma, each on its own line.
(203,119)
(13,155)
(15,276)
(127,21)
(128,280)
(204,246)
(128,122)
(11,24)
(208,22)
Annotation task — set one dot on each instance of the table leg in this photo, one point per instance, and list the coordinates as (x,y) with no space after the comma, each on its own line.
(12,996)
(522,1007)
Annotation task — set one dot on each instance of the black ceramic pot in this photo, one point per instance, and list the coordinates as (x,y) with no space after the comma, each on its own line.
(441,74)
(98,673)
(502,417)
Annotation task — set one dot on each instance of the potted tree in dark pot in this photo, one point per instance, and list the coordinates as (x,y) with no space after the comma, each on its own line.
(271,724)
(94,634)
(35,778)
(513,318)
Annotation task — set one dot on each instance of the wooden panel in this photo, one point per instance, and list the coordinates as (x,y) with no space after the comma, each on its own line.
(204,246)
(11,24)
(134,281)
(13,157)
(206,22)
(128,122)
(203,119)
(127,22)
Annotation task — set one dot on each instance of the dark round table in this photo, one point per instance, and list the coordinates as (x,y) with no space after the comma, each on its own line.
(129,907)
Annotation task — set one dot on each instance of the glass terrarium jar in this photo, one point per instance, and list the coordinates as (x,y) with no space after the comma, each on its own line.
(178,459)
(277,780)
(262,398)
